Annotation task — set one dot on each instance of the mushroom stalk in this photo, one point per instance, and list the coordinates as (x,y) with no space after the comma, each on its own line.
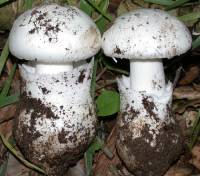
(147,75)
(43,68)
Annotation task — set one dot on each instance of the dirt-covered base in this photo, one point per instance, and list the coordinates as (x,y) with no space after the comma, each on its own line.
(144,158)
(57,163)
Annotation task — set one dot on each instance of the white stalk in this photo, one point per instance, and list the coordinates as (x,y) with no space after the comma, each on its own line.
(147,75)
(42,68)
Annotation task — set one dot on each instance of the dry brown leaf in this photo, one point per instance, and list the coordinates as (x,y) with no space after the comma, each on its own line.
(191,74)
(196,156)
(186,92)
(190,117)
(196,87)
(181,105)
(110,167)
(7,113)
(16,168)
(178,171)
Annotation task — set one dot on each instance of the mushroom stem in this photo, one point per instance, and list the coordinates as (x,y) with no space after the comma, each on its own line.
(147,75)
(44,68)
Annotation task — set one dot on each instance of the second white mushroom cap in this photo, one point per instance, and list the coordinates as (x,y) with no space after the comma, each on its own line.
(146,34)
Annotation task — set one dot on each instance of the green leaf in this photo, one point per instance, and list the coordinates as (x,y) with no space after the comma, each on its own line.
(102,21)
(176,4)
(195,132)
(190,16)
(28,4)
(96,145)
(93,82)
(160,2)
(99,10)
(4,101)
(3,168)
(86,7)
(3,1)
(108,103)
(3,57)
(16,154)
(196,43)
(7,85)
(71,2)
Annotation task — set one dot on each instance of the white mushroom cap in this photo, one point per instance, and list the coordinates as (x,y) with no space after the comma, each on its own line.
(146,34)
(54,34)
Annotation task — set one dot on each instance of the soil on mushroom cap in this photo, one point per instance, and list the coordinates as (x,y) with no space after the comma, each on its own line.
(150,160)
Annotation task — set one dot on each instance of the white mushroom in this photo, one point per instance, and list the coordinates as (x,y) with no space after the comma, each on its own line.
(57,120)
(148,137)
(54,36)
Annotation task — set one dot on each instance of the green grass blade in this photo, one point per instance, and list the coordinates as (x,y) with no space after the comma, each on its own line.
(4,101)
(28,4)
(93,82)
(86,7)
(161,2)
(3,168)
(8,82)
(190,16)
(112,67)
(98,9)
(177,4)
(196,43)
(3,57)
(195,131)
(96,145)
(102,21)
(3,1)
(16,154)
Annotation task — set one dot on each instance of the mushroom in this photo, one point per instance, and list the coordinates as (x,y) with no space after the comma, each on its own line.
(57,120)
(149,139)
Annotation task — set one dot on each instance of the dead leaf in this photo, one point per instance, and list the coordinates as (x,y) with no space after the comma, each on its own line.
(190,75)
(7,113)
(190,117)
(186,92)
(178,171)
(110,167)
(196,156)
(180,106)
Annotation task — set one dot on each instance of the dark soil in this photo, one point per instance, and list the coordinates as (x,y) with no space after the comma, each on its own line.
(153,161)
(81,76)
(145,159)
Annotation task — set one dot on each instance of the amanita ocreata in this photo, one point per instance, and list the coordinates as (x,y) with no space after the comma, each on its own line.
(56,121)
(148,139)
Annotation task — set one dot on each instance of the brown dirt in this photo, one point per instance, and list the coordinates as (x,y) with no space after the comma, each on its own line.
(81,76)
(157,159)
(149,106)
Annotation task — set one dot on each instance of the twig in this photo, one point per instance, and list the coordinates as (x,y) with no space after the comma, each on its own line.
(101,73)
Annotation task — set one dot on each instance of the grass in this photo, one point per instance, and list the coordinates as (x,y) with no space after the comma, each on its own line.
(195,132)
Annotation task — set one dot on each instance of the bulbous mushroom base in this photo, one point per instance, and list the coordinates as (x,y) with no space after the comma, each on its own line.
(148,138)
(57,120)
(149,155)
